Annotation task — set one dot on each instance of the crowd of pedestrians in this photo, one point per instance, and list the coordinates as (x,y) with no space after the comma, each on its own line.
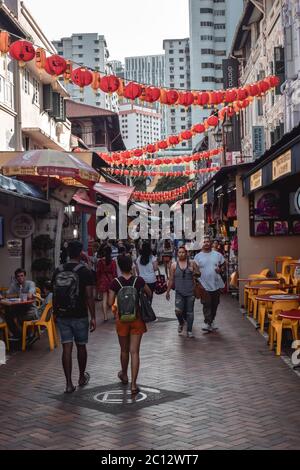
(118,274)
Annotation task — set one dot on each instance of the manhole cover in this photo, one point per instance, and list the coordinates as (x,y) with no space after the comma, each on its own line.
(116,399)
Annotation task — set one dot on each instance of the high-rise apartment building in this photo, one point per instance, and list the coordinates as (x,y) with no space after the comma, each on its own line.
(177,70)
(139,125)
(149,69)
(90,50)
(212,27)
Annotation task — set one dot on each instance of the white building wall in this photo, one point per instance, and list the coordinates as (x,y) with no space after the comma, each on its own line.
(177,67)
(269,111)
(212,27)
(291,88)
(139,125)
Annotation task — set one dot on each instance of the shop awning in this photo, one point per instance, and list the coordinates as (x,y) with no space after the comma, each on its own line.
(115,192)
(279,162)
(84,201)
(26,195)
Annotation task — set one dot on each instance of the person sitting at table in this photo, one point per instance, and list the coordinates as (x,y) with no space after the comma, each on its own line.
(17,314)
(47,297)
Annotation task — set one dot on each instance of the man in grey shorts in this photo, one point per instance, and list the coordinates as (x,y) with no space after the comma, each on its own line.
(182,276)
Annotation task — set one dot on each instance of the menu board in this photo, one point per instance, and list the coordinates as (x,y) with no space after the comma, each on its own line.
(268,217)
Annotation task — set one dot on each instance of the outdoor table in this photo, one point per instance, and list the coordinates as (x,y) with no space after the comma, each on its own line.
(15,302)
(254,279)
(291,315)
(278,297)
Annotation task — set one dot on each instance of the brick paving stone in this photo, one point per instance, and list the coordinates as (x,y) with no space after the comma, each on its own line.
(237,392)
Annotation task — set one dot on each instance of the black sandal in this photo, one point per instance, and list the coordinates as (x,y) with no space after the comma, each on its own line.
(69,392)
(87,378)
(120,377)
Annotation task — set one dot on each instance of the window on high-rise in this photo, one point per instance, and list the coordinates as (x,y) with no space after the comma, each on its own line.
(206,23)
(219,12)
(207,51)
(220,39)
(220,26)
(207,38)
(206,10)
(207,65)
(220,53)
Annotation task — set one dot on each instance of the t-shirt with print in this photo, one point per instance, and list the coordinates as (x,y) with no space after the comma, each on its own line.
(208,263)
(85,280)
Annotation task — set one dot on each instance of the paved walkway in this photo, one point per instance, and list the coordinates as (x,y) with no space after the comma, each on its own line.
(237,394)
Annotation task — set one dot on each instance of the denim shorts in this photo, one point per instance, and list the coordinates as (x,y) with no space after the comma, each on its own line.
(73,329)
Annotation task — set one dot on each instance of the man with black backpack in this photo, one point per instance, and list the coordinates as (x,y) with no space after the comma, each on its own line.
(72,298)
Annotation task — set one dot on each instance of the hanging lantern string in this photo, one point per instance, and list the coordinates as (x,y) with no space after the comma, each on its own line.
(167,174)
(187,100)
(163,196)
(182,159)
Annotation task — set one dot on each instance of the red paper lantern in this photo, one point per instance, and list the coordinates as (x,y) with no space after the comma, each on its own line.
(186,99)
(198,128)
(174,140)
(132,91)
(55,65)
(82,77)
(202,99)
(151,148)
(138,152)
(186,135)
(172,97)
(254,90)
(274,81)
(151,94)
(242,94)
(230,96)
(109,84)
(163,145)
(264,86)
(213,121)
(23,51)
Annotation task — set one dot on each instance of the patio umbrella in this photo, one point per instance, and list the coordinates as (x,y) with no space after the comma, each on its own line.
(50,164)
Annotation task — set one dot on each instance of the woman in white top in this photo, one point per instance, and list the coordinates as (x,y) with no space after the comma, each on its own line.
(147,266)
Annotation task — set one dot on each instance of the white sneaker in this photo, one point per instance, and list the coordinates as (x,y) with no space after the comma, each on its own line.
(190,335)
(208,329)
(214,326)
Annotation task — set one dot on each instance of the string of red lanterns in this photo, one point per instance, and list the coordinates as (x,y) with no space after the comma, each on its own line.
(55,65)
(169,174)
(182,159)
(163,196)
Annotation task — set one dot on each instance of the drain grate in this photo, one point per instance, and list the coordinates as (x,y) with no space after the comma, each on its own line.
(116,399)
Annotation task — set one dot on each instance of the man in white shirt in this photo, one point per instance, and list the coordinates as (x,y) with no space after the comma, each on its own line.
(210,264)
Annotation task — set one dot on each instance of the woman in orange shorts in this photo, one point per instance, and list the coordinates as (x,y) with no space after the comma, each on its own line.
(130,334)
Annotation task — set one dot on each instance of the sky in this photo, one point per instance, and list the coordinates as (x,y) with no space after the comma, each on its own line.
(131,27)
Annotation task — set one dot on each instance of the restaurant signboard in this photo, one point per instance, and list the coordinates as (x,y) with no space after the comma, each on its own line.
(282,165)
(256,180)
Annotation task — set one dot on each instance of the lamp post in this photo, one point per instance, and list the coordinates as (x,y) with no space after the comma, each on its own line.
(221,135)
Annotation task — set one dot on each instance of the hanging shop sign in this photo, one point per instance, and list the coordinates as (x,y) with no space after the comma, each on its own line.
(14,248)
(282,165)
(259,144)
(22,226)
(256,180)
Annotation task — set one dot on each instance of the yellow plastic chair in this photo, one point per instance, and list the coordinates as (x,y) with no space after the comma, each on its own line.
(278,264)
(46,320)
(246,290)
(4,328)
(265,308)
(265,272)
(252,302)
(277,324)
(295,280)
